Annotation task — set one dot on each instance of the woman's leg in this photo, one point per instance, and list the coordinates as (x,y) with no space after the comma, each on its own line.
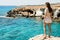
(44,36)
(49,30)
(44,29)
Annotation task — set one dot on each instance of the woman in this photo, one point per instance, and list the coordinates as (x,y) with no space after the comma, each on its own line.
(47,19)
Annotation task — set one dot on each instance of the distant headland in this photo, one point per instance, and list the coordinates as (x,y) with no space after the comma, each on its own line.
(30,10)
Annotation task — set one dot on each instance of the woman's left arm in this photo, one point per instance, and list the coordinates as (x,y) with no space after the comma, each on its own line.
(51,15)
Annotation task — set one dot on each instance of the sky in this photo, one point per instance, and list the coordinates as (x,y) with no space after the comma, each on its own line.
(26,2)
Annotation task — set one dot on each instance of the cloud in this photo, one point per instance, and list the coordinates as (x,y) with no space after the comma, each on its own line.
(26,2)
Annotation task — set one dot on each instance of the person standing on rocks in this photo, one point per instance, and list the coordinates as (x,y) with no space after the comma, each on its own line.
(47,19)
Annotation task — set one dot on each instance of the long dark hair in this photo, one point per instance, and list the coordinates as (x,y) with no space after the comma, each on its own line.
(49,7)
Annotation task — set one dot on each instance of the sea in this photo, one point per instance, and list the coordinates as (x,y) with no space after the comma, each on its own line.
(22,28)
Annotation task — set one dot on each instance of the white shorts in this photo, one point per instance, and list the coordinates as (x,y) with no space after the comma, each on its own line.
(47,20)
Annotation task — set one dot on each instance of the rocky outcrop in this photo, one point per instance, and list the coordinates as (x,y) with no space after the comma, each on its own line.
(20,11)
(40,37)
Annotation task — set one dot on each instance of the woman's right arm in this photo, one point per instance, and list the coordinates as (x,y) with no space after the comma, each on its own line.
(45,12)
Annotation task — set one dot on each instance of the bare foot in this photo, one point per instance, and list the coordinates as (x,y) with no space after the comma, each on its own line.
(49,37)
(44,37)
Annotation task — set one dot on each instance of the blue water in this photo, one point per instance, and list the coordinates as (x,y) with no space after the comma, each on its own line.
(5,9)
(22,28)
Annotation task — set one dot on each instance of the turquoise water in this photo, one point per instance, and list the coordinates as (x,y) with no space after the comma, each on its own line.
(22,28)
(5,9)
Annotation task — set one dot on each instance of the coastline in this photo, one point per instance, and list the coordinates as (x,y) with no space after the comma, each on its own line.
(55,20)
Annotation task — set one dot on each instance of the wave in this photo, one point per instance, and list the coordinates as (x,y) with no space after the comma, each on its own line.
(5,17)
